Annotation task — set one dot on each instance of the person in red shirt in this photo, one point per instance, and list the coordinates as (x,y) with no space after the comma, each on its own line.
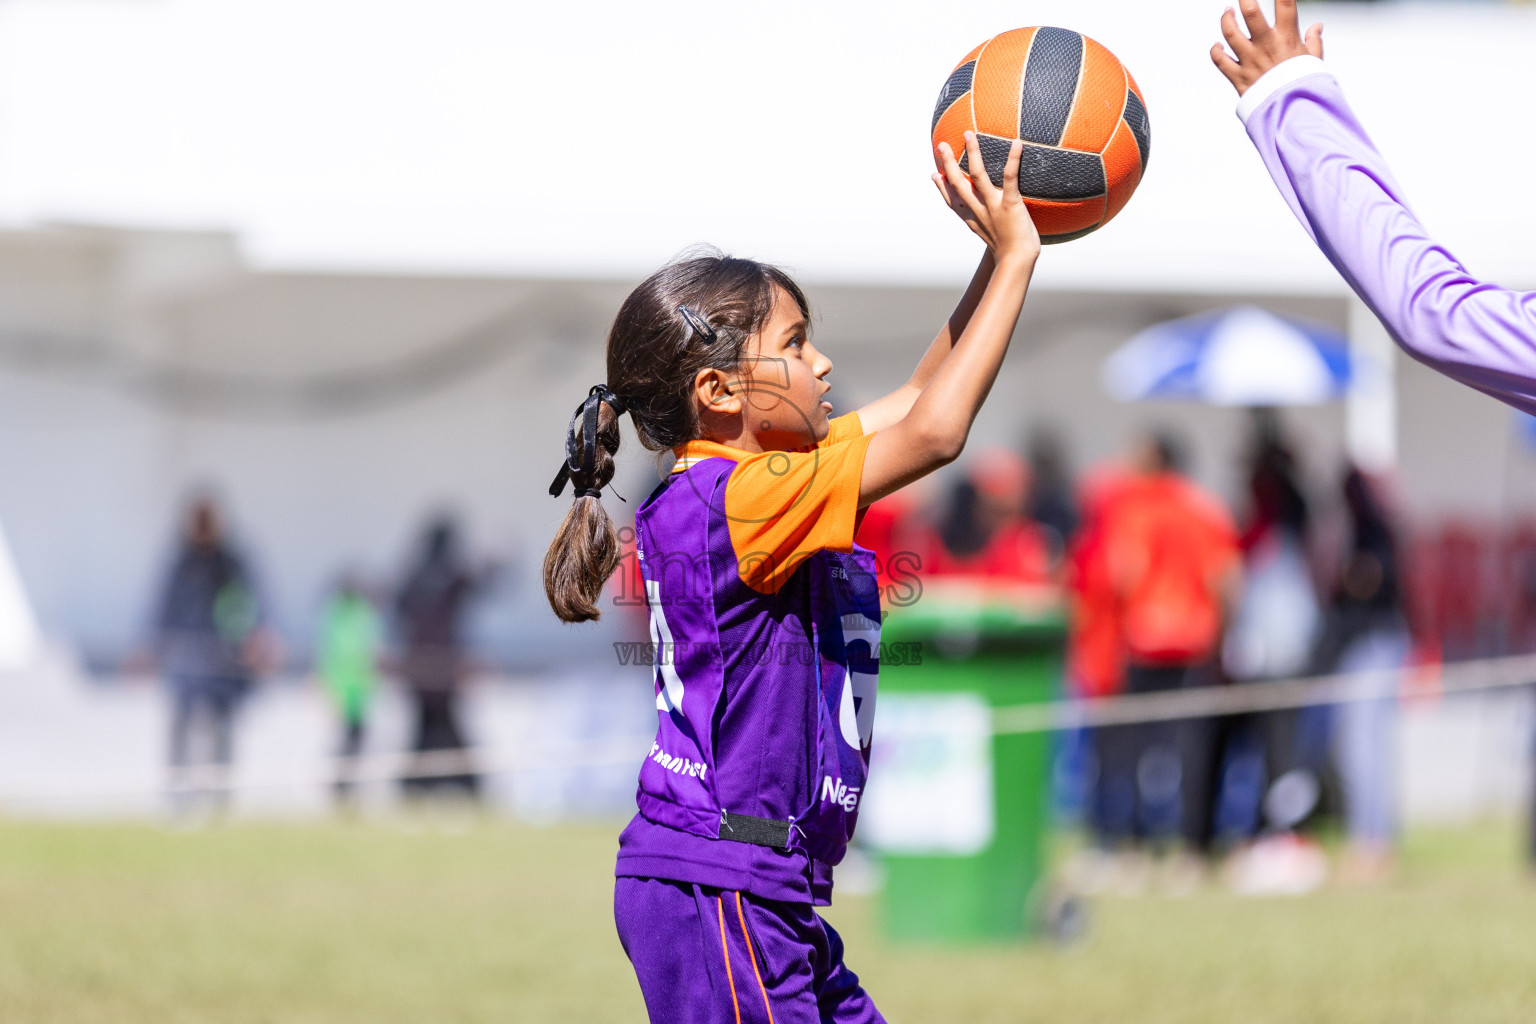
(1095,658)
(981,531)
(887,529)
(1095,645)
(1172,557)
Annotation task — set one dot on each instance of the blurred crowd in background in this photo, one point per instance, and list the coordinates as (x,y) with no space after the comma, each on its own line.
(1169,587)
(210,643)
(1165,587)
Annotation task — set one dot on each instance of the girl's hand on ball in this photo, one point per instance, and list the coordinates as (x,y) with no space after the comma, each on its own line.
(1263,46)
(997,215)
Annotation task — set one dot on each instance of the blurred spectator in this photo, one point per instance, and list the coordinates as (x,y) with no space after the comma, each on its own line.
(1051,505)
(1095,640)
(886,528)
(1095,661)
(209,644)
(430,610)
(351,634)
(1366,632)
(1274,629)
(1517,583)
(982,531)
(1173,560)
(1463,608)
(1519,563)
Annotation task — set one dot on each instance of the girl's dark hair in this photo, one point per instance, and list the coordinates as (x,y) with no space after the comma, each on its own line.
(653,357)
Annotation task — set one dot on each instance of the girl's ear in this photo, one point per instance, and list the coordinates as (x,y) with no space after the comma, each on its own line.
(714,393)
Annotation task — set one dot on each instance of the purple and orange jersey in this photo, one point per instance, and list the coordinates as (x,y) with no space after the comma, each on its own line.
(765,617)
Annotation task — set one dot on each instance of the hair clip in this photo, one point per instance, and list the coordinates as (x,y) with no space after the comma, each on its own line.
(705,332)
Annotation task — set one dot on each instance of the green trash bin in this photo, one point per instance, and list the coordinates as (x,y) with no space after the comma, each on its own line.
(958,817)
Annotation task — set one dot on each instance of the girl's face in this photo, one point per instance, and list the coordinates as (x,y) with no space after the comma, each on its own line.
(782,383)
(785,381)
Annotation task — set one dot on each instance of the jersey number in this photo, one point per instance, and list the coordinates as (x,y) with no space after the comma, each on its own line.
(669,693)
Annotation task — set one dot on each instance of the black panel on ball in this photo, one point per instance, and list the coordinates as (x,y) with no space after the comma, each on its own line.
(1050,85)
(994,154)
(1067,236)
(1136,119)
(958,84)
(1062,175)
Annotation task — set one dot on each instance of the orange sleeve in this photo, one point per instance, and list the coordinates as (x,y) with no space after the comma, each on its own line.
(784,507)
(844,428)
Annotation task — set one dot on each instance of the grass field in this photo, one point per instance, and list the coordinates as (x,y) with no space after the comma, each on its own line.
(421,923)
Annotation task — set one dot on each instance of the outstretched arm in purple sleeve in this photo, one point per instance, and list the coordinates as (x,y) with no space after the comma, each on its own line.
(1345,197)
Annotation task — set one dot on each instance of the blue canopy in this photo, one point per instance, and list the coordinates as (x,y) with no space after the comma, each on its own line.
(1238,356)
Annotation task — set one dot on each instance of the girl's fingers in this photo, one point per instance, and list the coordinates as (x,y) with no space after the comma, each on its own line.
(1225,64)
(1253,16)
(955,201)
(938,183)
(1285,19)
(980,180)
(950,166)
(960,182)
(948,195)
(1011,170)
(1236,40)
(1314,43)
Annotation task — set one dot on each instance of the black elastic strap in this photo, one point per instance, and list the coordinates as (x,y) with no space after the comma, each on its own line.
(581,452)
(743,828)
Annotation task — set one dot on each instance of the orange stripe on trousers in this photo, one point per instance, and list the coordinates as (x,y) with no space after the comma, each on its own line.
(753,956)
(720,908)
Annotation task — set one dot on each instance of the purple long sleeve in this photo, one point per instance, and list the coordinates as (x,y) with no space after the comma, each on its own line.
(1340,189)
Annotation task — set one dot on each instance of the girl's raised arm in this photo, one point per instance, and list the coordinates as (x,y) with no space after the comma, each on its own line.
(933,430)
(884,411)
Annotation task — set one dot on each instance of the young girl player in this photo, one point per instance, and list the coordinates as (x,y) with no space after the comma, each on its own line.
(764,613)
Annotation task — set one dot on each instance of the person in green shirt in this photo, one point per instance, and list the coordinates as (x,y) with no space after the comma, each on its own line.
(352,632)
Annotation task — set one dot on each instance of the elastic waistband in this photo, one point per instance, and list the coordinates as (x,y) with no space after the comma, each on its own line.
(743,828)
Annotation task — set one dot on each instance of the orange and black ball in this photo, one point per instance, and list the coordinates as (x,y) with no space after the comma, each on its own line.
(1080,113)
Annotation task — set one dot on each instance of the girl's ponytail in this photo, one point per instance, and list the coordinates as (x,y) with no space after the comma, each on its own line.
(585,551)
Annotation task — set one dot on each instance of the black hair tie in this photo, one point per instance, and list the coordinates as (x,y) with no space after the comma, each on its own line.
(581,453)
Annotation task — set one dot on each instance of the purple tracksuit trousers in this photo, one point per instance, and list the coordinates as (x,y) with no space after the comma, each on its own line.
(714,956)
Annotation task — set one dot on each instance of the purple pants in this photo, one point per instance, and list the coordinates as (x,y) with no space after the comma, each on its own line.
(714,956)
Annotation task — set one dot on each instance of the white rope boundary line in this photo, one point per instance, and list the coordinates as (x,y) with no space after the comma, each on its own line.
(1269,695)
(319,773)
(1053,716)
